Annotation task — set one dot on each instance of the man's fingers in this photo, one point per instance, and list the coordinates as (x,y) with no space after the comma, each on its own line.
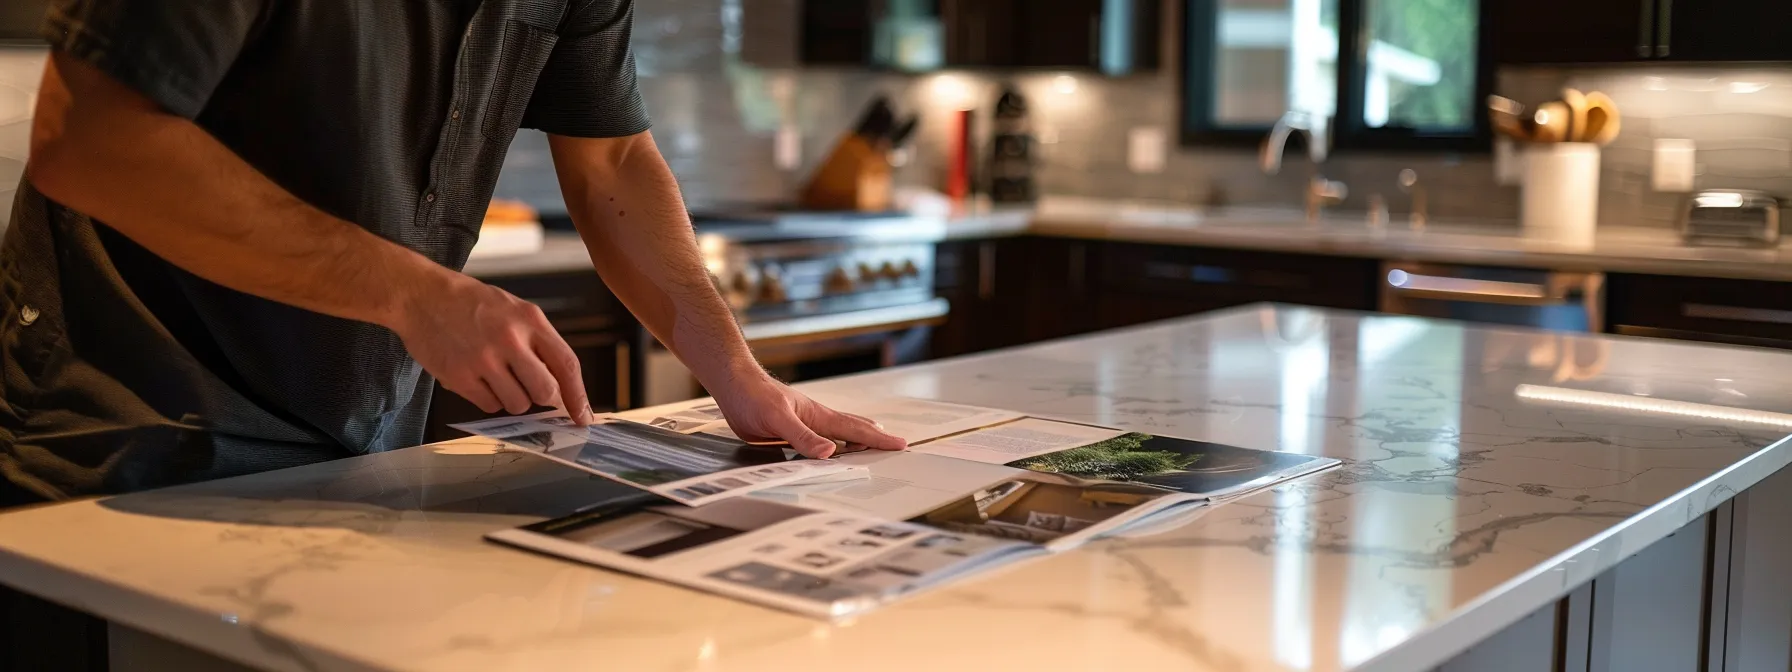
(563,365)
(509,392)
(533,375)
(478,393)
(854,429)
(802,439)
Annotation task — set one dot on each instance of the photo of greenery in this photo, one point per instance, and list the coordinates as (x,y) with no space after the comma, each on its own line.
(1178,464)
(1122,458)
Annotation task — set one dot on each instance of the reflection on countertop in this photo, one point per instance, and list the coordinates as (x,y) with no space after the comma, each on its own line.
(1463,505)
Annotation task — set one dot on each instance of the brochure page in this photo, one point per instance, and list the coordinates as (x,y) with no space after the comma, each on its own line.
(1053,510)
(822,564)
(1201,468)
(902,485)
(691,468)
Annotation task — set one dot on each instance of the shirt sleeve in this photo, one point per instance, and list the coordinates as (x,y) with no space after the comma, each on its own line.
(174,52)
(588,88)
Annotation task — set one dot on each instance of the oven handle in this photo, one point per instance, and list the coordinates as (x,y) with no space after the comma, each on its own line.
(1446,288)
(822,327)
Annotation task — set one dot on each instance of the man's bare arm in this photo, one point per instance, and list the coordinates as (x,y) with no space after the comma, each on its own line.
(105,150)
(625,202)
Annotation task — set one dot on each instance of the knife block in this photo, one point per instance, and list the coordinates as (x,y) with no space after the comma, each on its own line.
(856,176)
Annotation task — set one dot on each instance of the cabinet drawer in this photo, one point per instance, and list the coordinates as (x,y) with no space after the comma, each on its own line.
(1230,277)
(1743,312)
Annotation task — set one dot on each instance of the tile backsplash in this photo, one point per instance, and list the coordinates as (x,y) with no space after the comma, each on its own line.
(719,106)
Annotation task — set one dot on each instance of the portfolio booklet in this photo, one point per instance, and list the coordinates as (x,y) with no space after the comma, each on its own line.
(979,488)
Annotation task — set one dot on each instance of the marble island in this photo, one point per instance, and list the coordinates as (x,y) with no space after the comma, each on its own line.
(1492,480)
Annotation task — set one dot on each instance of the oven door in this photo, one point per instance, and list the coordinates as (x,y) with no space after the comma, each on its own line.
(810,347)
(1558,300)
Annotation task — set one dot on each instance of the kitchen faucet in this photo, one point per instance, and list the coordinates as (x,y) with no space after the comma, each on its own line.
(1320,192)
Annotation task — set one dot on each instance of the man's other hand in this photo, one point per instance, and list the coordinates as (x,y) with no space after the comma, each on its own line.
(494,349)
(759,408)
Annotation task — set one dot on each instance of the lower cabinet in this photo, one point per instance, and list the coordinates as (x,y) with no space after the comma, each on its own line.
(1711,310)
(1714,596)
(1013,291)
(594,323)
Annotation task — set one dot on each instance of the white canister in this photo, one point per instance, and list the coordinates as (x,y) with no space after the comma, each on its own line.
(1561,192)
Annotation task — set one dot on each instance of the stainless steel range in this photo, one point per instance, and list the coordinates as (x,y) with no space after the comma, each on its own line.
(817,294)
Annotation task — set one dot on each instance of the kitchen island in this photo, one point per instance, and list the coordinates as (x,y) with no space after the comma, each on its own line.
(1493,479)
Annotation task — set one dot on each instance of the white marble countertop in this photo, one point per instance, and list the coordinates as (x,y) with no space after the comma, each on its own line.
(1618,249)
(1466,502)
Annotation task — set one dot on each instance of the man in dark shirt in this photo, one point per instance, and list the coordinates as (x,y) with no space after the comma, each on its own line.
(237,244)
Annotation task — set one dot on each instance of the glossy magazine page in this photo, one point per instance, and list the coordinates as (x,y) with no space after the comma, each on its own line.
(826,565)
(692,469)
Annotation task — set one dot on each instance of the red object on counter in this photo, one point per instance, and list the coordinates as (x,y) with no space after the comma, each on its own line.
(958,173)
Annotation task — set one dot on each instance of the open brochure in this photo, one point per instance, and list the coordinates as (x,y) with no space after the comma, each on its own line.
(831,564)
(957,503)
(693,468)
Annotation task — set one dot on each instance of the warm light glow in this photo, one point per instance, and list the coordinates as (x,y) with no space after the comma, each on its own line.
(1065,84)
(1747,87)
(1557,395)
(952,90)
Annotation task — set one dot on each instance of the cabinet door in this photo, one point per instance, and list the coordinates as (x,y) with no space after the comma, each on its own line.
(1142,283)
(1074,27)
(1713,310)
(1726,30)
(836,32)
(1571,31)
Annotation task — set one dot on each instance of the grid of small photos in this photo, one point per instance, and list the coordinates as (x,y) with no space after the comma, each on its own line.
(739,478)
(844,558)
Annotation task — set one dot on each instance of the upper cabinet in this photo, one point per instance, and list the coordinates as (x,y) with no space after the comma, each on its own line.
(1110,36)
(1725,30)
(1618,31)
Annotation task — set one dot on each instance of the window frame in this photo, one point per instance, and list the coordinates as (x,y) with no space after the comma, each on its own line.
(1350,132)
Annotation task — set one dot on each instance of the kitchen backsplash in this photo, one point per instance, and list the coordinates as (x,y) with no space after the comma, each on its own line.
(717,114)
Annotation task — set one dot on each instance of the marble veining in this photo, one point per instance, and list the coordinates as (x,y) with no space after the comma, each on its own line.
(1461,507)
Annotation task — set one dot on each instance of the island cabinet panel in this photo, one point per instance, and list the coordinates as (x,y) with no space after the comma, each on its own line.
(600,330)
(1752,605)
(988,284)
(1649,611)
(1526,646)
(1711,310)
(1139,283)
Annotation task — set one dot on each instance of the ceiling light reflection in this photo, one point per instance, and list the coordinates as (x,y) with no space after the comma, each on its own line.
(1652,406)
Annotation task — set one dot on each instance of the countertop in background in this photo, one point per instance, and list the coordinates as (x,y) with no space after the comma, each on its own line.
(1618,249)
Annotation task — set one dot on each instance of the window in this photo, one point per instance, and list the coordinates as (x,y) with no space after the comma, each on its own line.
(1389,74)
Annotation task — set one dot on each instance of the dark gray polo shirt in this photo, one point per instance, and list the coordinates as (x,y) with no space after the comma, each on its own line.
(123,372)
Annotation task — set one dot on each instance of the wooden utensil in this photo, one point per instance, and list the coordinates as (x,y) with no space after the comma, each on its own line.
(1507,117)
(1577,115)
(1603,124)
(1551,122)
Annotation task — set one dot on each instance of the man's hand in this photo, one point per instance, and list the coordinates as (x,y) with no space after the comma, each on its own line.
(759,408)
(494,349)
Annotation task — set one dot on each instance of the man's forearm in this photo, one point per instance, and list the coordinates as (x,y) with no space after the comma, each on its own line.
(625,202)
(167,185)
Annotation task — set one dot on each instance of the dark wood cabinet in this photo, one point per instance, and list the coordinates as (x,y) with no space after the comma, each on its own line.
(1725,30)
(1139,283)
(1015,291)
(1615,31)
(1735,312)
(1108,36)
(600,330)
(1578,31)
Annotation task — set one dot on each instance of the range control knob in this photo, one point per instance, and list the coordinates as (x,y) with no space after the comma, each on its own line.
(909,270)
(867,274)
(838,281)
(888,270)
(771,290)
